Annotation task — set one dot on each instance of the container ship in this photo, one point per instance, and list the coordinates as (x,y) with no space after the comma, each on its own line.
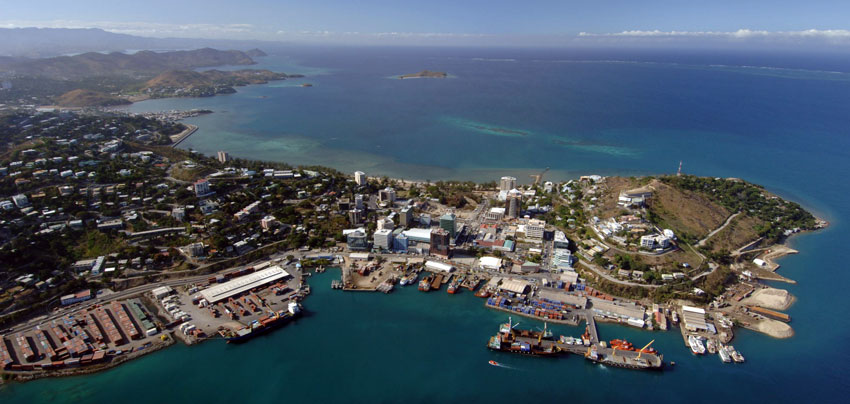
(527,342)
(263,325)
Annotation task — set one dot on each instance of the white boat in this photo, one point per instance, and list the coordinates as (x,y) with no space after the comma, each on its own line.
(736,356)
(724,355)
(696,345)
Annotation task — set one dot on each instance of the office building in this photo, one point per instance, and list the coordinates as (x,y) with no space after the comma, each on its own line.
(534,228)
(356,216)
(448,223)
(358,201)
(406,216)
(357,241)
(440,243)
(513,204)
(383,239)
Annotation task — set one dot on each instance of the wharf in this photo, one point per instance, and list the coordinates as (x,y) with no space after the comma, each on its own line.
(180,137)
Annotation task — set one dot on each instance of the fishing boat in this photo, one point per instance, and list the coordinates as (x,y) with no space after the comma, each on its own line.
(724,354)
(711,346)
(736,356)
(696,345)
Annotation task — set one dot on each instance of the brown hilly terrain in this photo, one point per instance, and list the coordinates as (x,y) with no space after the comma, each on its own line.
(88,98)
(140,63)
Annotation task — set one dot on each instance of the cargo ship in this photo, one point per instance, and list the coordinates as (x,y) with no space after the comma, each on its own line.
(626,360)
(262,326)
(526,342)
(425,284)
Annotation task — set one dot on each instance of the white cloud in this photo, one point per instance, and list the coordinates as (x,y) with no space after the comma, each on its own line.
(143,28)
(831,35)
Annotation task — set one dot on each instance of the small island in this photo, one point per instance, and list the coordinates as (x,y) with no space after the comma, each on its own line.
(425,74)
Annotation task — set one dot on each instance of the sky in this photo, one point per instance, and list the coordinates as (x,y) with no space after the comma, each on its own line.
(547,22)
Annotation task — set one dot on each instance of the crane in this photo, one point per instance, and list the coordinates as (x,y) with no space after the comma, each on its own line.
(540,337)
(641,350)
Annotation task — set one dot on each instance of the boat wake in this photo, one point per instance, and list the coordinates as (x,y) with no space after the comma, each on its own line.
(501,365)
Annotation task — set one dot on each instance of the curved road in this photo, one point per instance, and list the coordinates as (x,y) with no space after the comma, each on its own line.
(717,230)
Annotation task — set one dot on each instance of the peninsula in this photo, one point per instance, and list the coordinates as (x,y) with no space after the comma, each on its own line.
(101,80)
(148,244)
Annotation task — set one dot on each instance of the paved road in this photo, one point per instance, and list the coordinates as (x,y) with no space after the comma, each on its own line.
(601,272)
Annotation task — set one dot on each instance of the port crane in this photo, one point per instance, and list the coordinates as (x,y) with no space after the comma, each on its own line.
(641,350)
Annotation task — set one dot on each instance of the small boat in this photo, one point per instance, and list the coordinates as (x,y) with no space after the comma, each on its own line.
(696,345)
(494,363)
(724,354)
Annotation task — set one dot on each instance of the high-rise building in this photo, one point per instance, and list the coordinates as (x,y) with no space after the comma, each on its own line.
(448,223)
(223,157)
(513,203)
(358,201)
(202,187)
(406,216)
(386,195)
(507,183)
(360,177)
(383,239)
(440,243)
(355,216)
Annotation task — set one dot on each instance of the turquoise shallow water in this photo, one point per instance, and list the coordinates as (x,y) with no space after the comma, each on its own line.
(515,112)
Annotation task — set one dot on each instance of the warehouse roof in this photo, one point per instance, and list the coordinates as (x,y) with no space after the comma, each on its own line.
(514,285)
(243,284)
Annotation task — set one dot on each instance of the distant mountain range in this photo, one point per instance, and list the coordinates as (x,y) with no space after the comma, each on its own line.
(143,63)
(48,42)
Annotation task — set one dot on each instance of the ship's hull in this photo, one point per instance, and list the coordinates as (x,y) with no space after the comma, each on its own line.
(260,331)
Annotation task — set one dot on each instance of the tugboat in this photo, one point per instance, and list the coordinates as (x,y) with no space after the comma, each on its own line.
(527,342)
(482,293)
(425,284)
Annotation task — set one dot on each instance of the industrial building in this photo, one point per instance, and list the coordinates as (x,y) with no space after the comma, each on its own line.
(243,284)
(490,263)
(438,266)
(632,313)
(694,318)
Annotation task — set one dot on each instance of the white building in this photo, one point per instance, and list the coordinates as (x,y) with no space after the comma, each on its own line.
(534,228)
(385,223)
(647,242)
(561,240)
(268,222)
(495,214)
(383,239)
(507,183)
(490,263)
(438,266)
(360,177)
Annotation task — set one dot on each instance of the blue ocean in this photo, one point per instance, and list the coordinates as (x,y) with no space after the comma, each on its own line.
(780,120)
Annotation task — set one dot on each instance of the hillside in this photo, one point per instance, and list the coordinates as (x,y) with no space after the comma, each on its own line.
(88,98)
(184,83)
(117,64)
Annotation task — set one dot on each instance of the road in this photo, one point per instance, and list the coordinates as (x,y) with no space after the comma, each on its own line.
(702,242)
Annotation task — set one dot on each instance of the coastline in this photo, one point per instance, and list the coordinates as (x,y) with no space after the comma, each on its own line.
(180,137)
